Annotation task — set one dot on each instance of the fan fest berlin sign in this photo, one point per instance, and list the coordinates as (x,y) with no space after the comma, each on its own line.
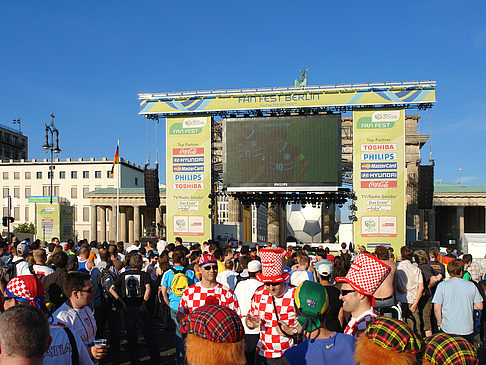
(188,178)
(379,177)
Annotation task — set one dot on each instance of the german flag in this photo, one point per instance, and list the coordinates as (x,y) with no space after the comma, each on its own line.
(115,160)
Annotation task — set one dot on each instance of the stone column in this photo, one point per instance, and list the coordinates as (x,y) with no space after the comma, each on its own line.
(130,226)
(460,223)
(136,222)
(94,229)
(234,210)
(273,221)
(102,224)
(283,225)
(123,225)
(113,223)
(158,217)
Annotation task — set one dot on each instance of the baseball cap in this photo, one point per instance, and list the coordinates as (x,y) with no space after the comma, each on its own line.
(254,266)
(23,248)
(324,267)
(207,259)
(311,303)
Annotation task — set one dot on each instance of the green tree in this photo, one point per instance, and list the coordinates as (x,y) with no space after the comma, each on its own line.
(25,228)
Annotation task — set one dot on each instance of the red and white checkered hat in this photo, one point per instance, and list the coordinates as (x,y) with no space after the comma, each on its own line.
(366,274)
(26,289)
(272,265)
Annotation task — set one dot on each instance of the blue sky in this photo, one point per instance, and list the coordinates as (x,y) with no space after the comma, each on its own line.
(86,61)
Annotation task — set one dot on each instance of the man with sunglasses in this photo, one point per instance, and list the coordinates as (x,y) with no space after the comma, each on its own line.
(357,288)
(76,313)
(272,309)
(207,291)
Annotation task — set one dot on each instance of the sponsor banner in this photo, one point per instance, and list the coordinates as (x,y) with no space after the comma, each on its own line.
(188,178)
(378,166)
(185,186)
(383,184)
(189,151)
(54,220)
(378,147)
(378,156)
(191,160)
(380,94)
(379,140)
(378,175)
(191,168)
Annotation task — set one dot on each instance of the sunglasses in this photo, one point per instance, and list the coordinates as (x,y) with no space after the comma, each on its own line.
(214,267)
(346,292)
(4,299)
(272,284)
(90,290)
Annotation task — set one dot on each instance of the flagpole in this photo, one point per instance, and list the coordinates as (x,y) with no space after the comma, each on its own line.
(118,193)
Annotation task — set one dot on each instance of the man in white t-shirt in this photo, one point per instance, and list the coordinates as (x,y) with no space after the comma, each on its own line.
(135,247)
(227,277)
(410,287)
(244,292)
(40,267)
(76,314)
(27,289)
(22,267)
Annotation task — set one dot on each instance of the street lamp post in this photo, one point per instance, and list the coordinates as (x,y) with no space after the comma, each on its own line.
(51,130)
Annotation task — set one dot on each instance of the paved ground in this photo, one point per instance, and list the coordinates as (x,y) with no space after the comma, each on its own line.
(165,339)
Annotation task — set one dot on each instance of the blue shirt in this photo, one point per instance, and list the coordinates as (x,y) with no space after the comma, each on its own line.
(338,349)
(457,298)
(167,282)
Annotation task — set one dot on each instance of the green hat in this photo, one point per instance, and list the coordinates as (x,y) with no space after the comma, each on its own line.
(311,303)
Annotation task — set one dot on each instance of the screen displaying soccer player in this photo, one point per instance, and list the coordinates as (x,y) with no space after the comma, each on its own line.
(282,153)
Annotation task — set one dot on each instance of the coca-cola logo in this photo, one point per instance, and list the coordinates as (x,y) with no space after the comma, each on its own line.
(189,151)
(380,184)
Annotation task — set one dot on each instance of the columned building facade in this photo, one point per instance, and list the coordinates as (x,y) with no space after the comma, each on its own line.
(135,219)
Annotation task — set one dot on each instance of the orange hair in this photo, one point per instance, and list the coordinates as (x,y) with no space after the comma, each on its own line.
(369,353)
(201,351)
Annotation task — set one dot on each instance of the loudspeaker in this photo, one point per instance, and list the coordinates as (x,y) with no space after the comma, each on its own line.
(151,182)
(425,186)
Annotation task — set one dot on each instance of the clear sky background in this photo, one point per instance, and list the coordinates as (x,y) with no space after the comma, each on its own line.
(86,61)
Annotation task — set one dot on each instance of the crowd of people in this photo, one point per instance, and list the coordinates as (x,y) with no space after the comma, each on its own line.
(67,303)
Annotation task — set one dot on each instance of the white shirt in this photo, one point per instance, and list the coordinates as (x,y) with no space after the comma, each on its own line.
(244,293)
(22,267)
(161,245)
(60,353)
(132,248)
(42,270)
(227,278)
(409,276)
(80,321)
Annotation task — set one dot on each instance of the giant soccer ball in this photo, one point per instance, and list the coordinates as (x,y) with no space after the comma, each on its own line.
(304,223)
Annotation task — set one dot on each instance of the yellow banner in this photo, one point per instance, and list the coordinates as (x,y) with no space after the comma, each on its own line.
(382,94)
(47,221)
(379,177)
(188,178)
(54,220)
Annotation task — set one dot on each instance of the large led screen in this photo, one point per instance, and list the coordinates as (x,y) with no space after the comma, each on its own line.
(288,153)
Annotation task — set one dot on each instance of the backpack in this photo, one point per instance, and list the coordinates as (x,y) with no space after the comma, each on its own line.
(180,282)
(106,279)
(8,270)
